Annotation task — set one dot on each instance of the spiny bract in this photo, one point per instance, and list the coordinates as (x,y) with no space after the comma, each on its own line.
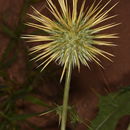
(72,35)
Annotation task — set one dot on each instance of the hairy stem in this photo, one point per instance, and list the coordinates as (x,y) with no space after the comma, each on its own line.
(66,98)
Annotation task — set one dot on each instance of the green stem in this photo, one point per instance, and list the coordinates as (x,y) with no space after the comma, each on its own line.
(66,97)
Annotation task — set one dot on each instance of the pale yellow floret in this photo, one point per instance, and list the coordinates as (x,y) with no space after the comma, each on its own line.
(71,36)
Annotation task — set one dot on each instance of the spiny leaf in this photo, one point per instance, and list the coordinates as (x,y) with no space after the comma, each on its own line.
(111,109)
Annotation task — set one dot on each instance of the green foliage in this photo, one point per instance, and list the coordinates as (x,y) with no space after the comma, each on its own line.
(35,100)
(111,109)
(72,114)
(12,92)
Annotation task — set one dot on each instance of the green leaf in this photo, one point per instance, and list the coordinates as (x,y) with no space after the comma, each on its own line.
(26,116)
(36,100)
(7,31)
(125,89)
(4,116)
(3,125)
(23,116)
(111,109)
(3,74)
(16,117)
(20,94)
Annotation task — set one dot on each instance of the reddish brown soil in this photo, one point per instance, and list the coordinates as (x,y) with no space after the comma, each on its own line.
(86,83)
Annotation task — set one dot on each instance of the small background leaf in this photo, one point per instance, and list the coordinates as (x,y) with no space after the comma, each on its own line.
(111,109)
(36,100)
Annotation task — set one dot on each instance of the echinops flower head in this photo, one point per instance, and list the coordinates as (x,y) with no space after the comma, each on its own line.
(72,34)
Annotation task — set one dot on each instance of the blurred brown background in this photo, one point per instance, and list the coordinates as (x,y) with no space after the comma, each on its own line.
(86,83)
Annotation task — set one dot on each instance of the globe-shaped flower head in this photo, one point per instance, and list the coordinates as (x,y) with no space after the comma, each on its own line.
(71,34)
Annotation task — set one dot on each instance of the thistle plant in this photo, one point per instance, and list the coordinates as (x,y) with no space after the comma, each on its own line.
(72,38)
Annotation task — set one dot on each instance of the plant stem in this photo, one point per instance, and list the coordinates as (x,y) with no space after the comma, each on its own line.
(66,98)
